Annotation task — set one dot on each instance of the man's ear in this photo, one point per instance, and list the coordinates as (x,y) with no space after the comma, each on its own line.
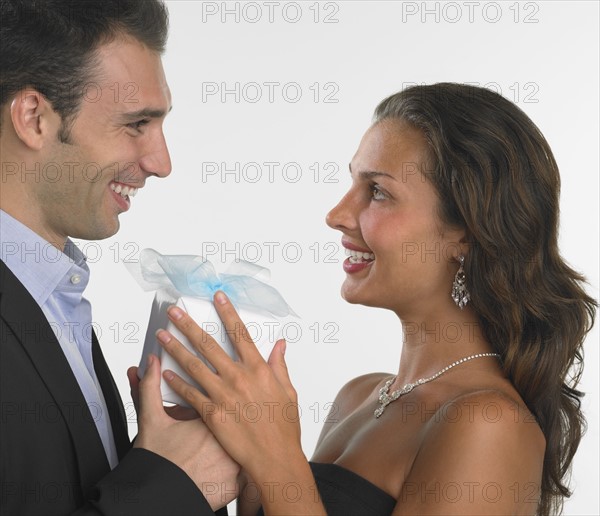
(33,118)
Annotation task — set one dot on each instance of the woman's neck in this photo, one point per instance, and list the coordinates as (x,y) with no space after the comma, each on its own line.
(435,340)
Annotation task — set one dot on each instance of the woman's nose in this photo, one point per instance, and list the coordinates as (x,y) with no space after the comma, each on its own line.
(342,215)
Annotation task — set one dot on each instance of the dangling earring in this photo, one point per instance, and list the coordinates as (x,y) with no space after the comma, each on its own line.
(460,294)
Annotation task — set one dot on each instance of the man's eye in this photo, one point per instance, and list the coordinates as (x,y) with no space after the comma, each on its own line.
(376,193)
(138,125)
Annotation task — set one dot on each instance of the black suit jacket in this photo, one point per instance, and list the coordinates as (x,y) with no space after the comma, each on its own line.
(51,457)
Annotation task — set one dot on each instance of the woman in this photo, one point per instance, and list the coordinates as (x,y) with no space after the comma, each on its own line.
(451,221)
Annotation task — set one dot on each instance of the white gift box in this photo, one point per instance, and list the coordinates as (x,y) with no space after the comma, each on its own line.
(189,283)
(265,331)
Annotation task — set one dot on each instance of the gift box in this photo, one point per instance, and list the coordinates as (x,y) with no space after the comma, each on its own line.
(190,283)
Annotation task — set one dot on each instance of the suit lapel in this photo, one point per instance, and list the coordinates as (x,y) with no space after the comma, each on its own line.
(26,319)
(113,400)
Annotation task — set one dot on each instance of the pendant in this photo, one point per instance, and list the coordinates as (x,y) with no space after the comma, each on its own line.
(385,399)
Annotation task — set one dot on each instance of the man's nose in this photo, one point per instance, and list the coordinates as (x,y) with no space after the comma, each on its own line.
(157,160)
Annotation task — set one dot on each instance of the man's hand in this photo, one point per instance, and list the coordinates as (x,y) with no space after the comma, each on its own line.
(175,411)
(187,443)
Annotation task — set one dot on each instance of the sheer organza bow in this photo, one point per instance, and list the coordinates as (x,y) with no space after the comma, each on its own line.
(195,276)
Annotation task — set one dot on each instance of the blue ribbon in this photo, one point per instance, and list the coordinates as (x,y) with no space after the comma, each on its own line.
(195,276)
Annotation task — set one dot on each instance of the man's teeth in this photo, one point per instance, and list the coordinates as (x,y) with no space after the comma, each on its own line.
(123,190)
(359,256)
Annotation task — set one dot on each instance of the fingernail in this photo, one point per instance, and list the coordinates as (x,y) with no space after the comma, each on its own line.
(220,298)
(168,375)
(283,347)
(163,336)
(175,312)
(150,361)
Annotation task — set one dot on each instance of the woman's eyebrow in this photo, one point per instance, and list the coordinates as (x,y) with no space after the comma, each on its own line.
(370,174)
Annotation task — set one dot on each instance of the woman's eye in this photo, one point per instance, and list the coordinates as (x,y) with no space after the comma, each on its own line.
(376,193)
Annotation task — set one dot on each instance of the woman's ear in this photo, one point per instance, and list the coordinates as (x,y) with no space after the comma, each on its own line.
(464,244)
(33,119)
(458,243)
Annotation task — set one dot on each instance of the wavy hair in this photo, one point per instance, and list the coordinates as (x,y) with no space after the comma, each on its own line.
(496,177)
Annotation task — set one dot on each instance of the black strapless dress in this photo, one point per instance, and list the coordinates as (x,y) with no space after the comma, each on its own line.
(345,493)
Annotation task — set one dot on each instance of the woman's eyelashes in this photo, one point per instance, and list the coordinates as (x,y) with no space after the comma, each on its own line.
(377,193)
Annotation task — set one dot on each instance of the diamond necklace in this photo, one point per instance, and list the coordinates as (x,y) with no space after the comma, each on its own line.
(385,399)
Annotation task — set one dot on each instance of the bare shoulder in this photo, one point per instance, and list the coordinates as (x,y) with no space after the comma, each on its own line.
(485,444)
(487,418)
(489,411)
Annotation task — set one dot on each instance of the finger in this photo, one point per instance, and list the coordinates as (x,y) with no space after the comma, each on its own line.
(186,391)
(134,385)
(190,363)
(150,397)
(236,329)
(199,339)
(280,370)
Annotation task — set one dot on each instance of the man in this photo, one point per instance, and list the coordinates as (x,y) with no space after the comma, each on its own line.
(83,98)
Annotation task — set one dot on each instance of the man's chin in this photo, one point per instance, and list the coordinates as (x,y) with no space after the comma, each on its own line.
(99,232)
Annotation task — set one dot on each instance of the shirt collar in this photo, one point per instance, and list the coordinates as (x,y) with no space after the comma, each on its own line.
(36,263)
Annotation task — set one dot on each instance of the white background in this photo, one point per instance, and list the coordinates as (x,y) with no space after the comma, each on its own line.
(541,55)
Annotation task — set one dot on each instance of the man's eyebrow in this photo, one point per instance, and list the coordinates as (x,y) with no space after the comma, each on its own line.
(145,113)
(370,174)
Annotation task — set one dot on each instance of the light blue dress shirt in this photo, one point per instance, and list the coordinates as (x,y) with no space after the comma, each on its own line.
(56,280)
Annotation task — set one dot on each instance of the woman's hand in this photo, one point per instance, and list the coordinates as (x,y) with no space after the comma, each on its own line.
(251,405)
(248,500)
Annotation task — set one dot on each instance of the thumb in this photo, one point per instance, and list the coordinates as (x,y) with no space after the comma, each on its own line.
(279,368)
(150,397)
(134,385)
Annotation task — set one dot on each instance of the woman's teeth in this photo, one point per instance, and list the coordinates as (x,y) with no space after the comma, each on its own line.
(359,256)
(124,191)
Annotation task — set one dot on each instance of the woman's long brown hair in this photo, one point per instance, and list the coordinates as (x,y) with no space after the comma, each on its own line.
(496,177)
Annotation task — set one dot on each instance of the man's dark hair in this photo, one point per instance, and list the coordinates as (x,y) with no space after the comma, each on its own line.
(50,45)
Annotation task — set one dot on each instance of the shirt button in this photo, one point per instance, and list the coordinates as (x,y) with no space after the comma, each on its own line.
(75,279)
